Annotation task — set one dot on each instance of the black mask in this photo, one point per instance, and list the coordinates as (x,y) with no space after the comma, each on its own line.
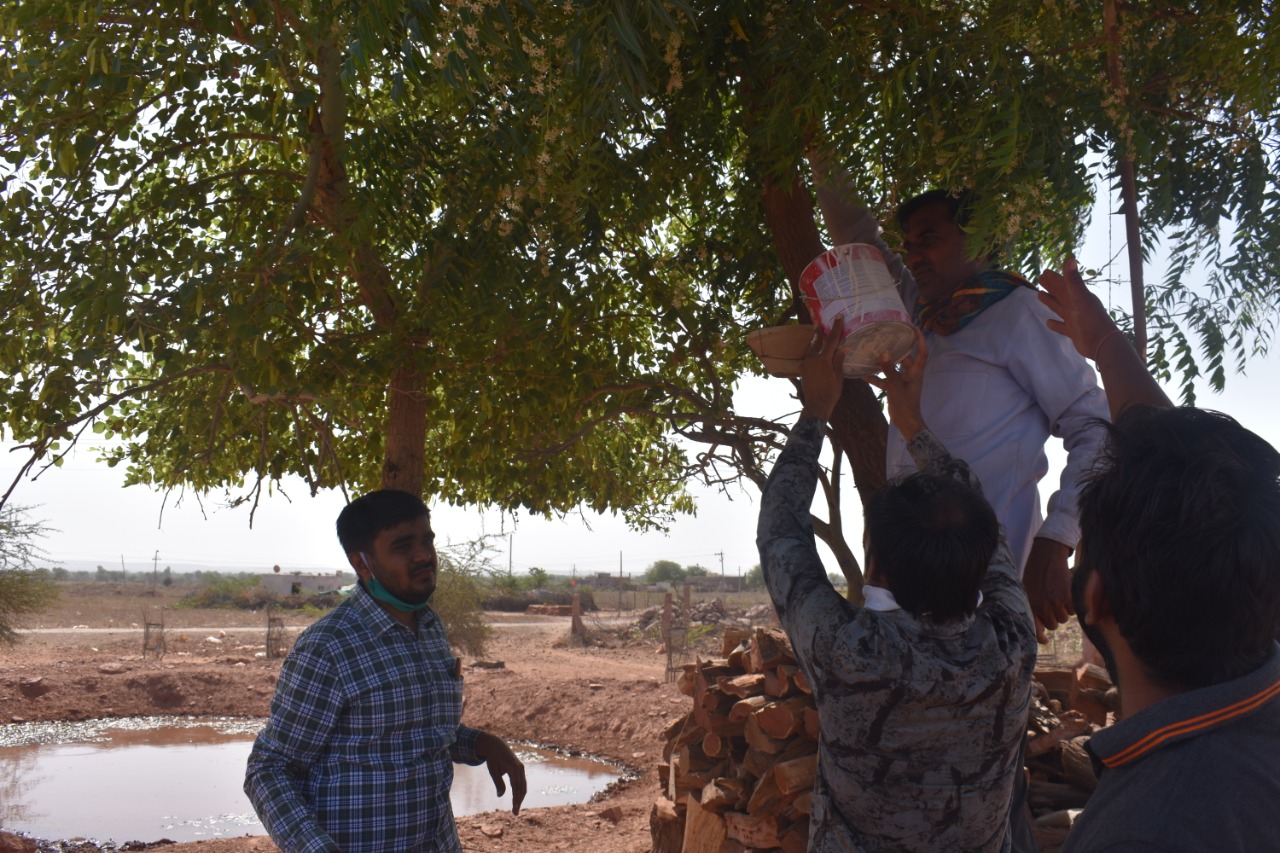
(1078,580)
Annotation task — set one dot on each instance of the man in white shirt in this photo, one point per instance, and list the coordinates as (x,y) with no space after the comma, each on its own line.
(998,382)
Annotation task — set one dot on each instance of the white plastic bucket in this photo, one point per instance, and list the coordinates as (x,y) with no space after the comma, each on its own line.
(852,281)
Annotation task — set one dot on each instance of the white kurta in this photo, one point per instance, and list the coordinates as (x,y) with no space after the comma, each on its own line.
(993,393)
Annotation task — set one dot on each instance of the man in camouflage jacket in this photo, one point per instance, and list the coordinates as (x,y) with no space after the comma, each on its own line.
(922,693)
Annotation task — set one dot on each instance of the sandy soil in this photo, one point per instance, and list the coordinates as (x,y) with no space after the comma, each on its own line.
(608,699)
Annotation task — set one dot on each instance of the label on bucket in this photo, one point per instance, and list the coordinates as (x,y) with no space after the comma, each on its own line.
(853,281)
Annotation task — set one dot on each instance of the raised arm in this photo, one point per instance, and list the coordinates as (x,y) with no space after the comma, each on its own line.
(902,384)
(808,606)
(849,221)
(1095,335)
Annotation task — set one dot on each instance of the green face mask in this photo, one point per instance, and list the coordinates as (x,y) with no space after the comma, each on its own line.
(381,593)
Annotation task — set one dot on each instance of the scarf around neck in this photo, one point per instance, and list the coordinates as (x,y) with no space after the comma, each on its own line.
(952,313)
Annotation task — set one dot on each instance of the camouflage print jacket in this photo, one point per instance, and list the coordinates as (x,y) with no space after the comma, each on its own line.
(921,722)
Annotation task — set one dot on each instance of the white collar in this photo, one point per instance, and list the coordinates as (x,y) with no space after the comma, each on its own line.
(878,598)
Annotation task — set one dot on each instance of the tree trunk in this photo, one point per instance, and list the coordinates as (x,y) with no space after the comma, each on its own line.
(858,426)
(406,433)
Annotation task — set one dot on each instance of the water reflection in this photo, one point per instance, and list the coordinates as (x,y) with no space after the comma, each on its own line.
(159,777)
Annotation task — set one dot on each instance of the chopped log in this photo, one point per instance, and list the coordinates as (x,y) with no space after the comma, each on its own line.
(811,728)
(795,838)
(1070,724)
(1077,767)
(744,708)
(1056,681)
(724,793)
(687,679)
(783,718)
(770,647)
(710,669)
(801,805)
(714,745)
(741,686)
(1089,685)
(760,740)
(691,732)
(690,770)
(752,830)
(776,683)
(693,781)
(796,775)
(674,770)
(801,683)
(756,763)
(709,704)
(666,827)
(734,639)
(704,830)
(797,748)
(673,729)
(765,797)
(664,775)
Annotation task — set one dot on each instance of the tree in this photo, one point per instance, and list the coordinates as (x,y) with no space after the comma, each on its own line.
(24,589)
(324,241)
(538,578)
(511,248)
(1005,97)
(754,578)
(664,571)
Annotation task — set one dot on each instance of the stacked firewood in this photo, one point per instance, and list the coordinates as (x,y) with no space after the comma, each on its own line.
(1068,705)
(738,768)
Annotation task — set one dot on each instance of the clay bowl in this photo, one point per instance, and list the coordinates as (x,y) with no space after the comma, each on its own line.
(781,348)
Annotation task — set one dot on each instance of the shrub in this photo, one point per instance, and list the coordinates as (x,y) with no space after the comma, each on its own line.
(22,592)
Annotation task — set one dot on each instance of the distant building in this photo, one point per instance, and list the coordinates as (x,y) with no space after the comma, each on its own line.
(296,583)
(713,583)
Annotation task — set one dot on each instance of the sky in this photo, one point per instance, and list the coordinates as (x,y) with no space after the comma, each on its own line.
(95,520)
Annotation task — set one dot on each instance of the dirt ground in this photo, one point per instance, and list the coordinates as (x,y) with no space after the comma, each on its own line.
(608,699)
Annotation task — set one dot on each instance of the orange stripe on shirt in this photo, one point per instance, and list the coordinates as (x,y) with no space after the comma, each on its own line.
(1181,727)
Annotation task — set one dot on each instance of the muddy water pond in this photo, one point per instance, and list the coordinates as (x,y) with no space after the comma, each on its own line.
(147,778)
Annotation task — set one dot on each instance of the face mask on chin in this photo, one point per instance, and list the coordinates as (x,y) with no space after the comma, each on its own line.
(381,593)
(1078,580)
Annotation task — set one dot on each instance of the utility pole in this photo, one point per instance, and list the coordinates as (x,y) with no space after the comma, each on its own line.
(720,554)
(155,562)
(511,544)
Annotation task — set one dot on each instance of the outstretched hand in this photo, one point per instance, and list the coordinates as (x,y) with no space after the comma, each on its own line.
(902,385)
(821,376)
(1084,318)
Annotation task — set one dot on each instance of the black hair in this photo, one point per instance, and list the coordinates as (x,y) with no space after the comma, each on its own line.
(364,518)
(932,536)
(960,205)
(1181,520)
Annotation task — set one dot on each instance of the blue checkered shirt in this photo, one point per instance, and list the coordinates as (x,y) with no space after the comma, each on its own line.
(365,726)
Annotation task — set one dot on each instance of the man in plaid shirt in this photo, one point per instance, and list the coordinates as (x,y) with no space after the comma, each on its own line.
(366,720)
